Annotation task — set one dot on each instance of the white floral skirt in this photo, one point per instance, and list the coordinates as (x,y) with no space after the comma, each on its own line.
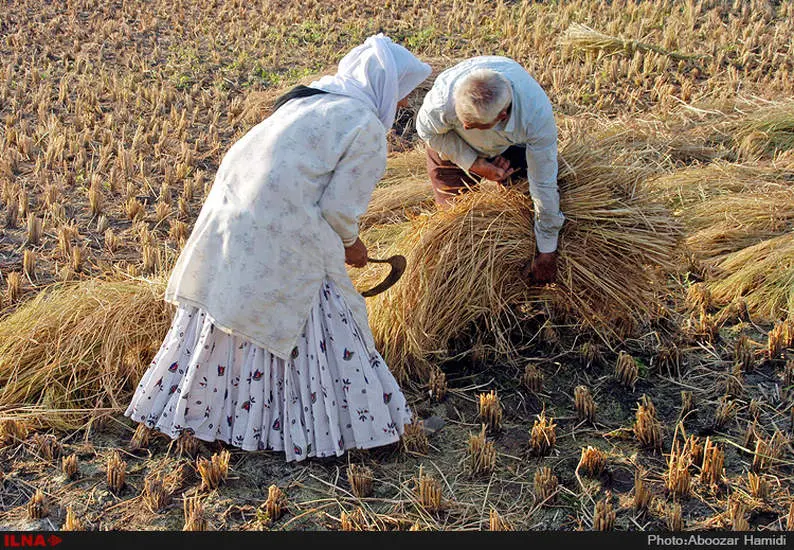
(330,396)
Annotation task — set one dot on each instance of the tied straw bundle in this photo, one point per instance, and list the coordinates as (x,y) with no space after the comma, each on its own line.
(464,284)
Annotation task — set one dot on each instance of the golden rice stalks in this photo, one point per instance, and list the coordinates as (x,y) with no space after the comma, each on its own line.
(713,462)
(647,428)
(490,410)
(604,515)
(759,485)
(743,353)
(29,264)
(749,436)
(195,516)
(725,411)
(593,461)
(532,378)
(428,492)
(497,522)
(626,370)
(415,438)
(437,384)
(34,230)
(116,472)
(72,522)
(13,287)
(582,37)
(642,494)
(482,454)
(47,446)
(591,353)
(762,275)
(68,350)
(214,471)
(543,435)
(737,515)
(360,479)
(465,262)
(687,403)
(734,382)
(187,444)
(69,466)
(698,297)
(766,132)
(156,496)
(276,503)
(780,338)
(677,479)
(355,521)
(768,451)
(38,505)
(674,518)
(790,517)
(584,403)
(140,438)
(398,201)
(12,431)
(545,483)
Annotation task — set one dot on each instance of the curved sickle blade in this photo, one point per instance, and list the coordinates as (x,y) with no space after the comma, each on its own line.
(398,264)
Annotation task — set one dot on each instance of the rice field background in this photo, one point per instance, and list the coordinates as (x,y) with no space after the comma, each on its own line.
(652,388)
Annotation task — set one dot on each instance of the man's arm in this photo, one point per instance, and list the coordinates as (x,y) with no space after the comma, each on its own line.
(542,174)
(440,136)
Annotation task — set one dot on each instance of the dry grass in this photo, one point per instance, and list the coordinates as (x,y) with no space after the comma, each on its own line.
(38,506)
(545,484)
(647,428)
(481,458)
(592,462)
(532,378)
(360,479)
(116,472)
(543,435)
(78,348)
(214,471)
(490,411)
(584,403)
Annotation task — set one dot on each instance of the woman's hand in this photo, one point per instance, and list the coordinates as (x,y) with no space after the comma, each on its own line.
(356,254)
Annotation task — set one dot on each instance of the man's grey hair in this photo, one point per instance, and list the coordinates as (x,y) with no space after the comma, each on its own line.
(481,95)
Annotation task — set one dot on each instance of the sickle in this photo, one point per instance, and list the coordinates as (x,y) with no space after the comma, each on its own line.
(398,264)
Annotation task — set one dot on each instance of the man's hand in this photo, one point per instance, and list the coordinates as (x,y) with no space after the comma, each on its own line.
(356,254)
(543,269)
(497,171)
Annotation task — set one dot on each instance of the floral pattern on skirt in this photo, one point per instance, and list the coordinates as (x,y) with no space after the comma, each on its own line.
(330,396)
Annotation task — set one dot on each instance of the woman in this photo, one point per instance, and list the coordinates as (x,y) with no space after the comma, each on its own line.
(270,347)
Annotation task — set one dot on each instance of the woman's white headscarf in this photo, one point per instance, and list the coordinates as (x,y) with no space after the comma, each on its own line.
(378,72)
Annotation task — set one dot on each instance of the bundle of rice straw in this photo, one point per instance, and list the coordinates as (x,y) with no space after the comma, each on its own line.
(78,349)
(582,37)
(762,275)
(464,283)
(738,222)
(403,192)
(766,131)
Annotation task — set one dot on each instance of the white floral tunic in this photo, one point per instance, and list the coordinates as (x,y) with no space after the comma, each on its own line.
(285,197)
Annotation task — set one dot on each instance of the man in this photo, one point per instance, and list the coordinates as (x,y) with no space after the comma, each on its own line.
(488,117)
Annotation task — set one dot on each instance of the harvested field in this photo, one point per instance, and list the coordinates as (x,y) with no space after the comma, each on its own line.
(650,388)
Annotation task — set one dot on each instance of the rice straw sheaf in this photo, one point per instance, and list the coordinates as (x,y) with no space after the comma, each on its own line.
(685,188)
(582,37)
(464,283)
(79,348)
(766,131)
(762,275)
(729,223)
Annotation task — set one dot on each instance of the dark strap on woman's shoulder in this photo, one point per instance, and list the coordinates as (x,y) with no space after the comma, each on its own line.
(295,93)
